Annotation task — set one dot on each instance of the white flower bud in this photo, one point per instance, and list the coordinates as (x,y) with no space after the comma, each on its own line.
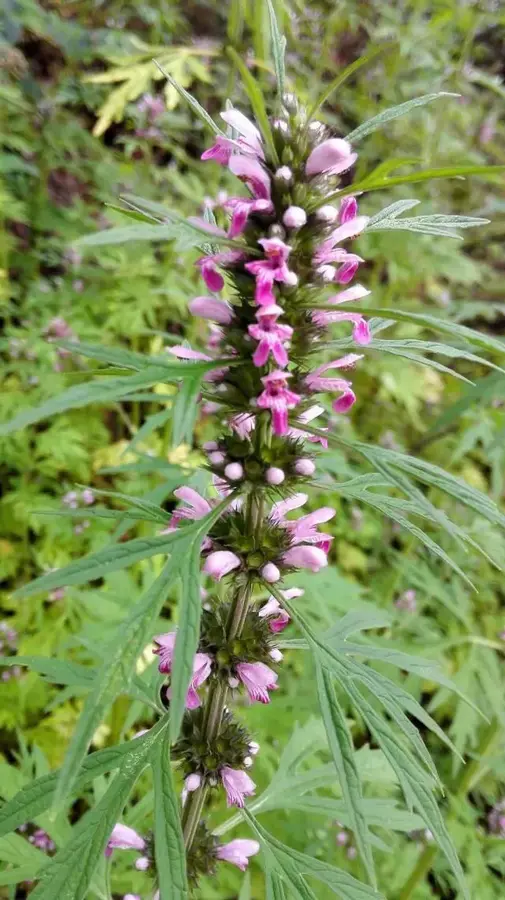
(234,471)
(294,217)
(284,174)
(276,655)
(270,573)
(327,214)
(291,279)
(217,458)
(274,475)
(254,748)
(248,761)
(304,467)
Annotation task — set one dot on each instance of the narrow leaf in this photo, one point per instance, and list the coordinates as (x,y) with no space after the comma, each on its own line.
(115,674)
(394,112)
(106,390)
(347,72)
(199,111)
(342,751)
(168,839)
(257,102)
(188,633)
(278,48)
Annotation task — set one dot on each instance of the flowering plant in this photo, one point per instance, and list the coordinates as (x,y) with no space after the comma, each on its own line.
(279,265)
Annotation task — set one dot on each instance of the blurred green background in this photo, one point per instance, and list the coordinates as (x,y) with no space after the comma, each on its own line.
(85,116)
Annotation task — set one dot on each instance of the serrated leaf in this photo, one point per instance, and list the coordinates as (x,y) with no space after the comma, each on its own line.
(278,48)
(292,866)
(188,634)
(116,672)
(342,751)
(125,234)
(37,796)
(96,565)
(106,390)
(68,875)
(185,410)
(443,226)
(347,72)
(380,184)
(168,839)
(57,671)
(387,115)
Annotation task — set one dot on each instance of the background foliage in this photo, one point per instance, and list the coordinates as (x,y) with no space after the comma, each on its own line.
(76,135)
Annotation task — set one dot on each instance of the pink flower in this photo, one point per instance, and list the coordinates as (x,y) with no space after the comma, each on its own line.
(332,157)
(270,336)
(273,268)
(219,563)
(304,418)
(348,210)
(304,556)
(202,667)
(277,398)
(220,151)
(243,424)
(250,137)
(316,381)
(304,529)
(253,174)
(237,785)
(124,838)
(182,352)
(212,308)
(197,507)
(209,267)
(258,680)
(238,852)
(241,208)
(361,330)
(165,646)
(270,573)
(278,616)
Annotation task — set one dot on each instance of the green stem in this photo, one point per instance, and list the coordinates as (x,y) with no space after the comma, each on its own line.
(218,693)
(468,777)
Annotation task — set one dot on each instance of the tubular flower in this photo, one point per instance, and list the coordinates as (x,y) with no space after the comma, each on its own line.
(258,680)
(279,399)
(237,785)
(238,852)
(124,838)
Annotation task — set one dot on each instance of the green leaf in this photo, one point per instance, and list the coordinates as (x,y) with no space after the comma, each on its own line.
(191,101)
(342,751)
(152,510)
(484,391)
(168,839)
(37,796)
(140,232)
(346,73)
(257,102)
(119,356)
(57,671)
(278,48)
(116,672)
(291,866)
(106,390)
(96,565)
(394,112)
(188,634)
(68,875)
(441,225)
(185,410)
(371,184)
(157,420)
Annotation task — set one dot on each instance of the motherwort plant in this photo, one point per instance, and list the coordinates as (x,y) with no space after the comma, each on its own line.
(281,269)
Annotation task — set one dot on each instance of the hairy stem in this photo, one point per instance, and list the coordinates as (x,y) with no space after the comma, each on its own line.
(218,693)
(467,779)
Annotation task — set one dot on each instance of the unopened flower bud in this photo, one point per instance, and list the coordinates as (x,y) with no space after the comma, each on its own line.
(327,214)
(217,458)
(233,682)
(304,467)
(234,471)
(280,125)
(210,445)
(248,761)
(276,655)
(142,864)
(276,231)
(274,475)
(193,782)
(254,748)
(294,217)
(290,102)
(270,573)
(284,175)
